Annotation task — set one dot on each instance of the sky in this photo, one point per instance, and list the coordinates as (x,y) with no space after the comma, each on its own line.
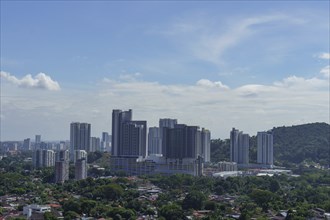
(252,65)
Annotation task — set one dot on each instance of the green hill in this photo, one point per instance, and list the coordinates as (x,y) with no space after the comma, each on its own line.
(294,144)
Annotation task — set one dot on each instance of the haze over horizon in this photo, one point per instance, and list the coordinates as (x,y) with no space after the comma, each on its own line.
(218,65)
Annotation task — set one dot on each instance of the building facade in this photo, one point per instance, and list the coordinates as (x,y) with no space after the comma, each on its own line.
(265,148)
(81,169)
(62,166)
(239,147)
(80,134)
(206,145)
(128,136)
(182,141)
(154,141)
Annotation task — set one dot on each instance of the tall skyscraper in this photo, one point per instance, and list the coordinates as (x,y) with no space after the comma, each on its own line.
(62,166)
(80,134)
(95,144)
(165,123)
(128,137)
(182,141)
(37,142)
(265,148)
(118,118)
(80,170)
(206,144)
(105,142)
(154,141)
(239,147)
(80,164)
(27,144)
(43,158)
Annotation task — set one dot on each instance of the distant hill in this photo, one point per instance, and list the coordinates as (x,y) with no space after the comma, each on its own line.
(294,144)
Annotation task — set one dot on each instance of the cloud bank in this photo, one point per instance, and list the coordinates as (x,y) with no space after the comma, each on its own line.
(40,81)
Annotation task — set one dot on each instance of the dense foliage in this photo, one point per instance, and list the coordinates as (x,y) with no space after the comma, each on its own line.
(120,198)
(292,145)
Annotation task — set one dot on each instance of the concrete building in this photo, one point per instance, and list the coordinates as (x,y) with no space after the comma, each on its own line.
(105,142)
(165,123)
(118,118)
(43,158)
(154,141)
(182,141)
(157,165)
(128,136)
(239,147)
(37,142)
(81,169)
(79,154)
(265,148)
(80,134)
(206,145)
(62,166)
(27,144)
(95,144)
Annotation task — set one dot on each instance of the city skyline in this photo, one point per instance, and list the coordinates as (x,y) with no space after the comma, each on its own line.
(250,65)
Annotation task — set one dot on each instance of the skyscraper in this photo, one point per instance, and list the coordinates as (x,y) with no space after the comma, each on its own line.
(206,144)
(105,142)
(154,141)
(37,142)
(95,144)
(62,166)
(80,134)
(165,123)
(80,170)
(43,158)
(118,118)
(265,148)
(27,144)
(181,142)
(128,137)
(80,164)
(239,147)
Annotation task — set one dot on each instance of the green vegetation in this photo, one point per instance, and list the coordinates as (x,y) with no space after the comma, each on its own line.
(292,145)
(119,198)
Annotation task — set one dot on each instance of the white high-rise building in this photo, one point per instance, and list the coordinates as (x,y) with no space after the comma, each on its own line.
(80,134)
(265,148)
(79,154)
(239,147)
(43,158)
(154,141)
(48,158)
(206,145)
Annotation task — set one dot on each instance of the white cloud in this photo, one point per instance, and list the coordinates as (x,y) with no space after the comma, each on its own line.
(249,107)
(130,77)
(210,40)
(300,82)
(209,83)
(326,71)
(325,56)
(41,81)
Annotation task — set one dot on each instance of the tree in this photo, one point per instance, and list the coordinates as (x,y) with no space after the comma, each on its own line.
(172,212)
(49,216)
(262,198)
(194,200)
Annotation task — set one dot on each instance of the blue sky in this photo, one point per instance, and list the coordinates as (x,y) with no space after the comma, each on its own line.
(217,64)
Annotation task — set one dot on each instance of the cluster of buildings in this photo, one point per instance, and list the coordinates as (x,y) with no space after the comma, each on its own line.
(171,148)
(240,146)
